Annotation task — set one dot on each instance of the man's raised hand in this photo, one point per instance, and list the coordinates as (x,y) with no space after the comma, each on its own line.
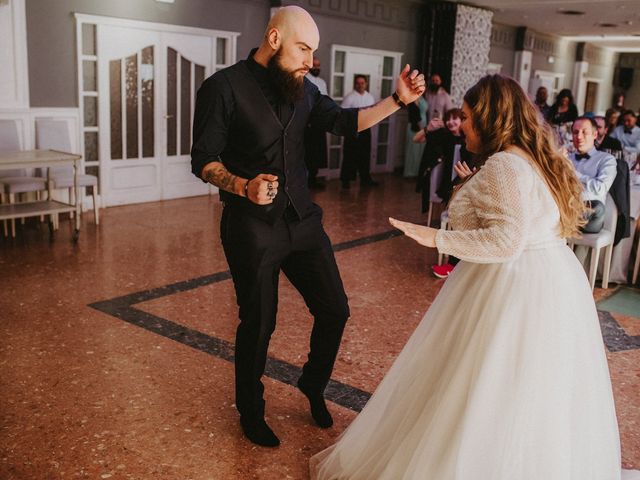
(410,85)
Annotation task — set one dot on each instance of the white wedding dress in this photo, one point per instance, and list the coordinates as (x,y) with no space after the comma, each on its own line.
(506,376)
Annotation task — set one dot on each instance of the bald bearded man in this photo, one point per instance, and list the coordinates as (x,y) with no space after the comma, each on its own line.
(248,141)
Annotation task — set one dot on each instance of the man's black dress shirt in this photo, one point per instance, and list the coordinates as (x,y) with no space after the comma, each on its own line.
(241,121)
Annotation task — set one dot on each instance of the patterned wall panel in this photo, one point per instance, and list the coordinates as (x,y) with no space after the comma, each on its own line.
(471,49)
(394,14)
(503,36)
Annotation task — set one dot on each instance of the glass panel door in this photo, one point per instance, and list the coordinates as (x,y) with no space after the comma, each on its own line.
(127,106)
(189,60)
(138,123)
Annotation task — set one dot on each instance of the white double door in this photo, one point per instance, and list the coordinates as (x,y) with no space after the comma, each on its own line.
(381,68)
(147,84)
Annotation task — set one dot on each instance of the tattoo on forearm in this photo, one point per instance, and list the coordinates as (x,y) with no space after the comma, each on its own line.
(219,176)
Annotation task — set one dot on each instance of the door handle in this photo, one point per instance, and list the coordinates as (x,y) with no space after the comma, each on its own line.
(168,116)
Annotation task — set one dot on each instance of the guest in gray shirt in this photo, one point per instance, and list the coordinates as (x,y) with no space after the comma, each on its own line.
(596,170)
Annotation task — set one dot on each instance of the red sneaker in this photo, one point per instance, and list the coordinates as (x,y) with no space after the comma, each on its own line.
(442,271)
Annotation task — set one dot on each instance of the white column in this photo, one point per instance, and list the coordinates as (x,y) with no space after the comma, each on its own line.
(579,85)
(522,68)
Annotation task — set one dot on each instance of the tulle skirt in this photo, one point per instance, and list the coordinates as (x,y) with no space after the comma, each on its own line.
(505,378)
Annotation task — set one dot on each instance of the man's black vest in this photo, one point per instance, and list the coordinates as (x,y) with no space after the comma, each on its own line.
(257,142)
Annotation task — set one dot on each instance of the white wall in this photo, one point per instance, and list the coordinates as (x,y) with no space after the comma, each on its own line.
(14,86)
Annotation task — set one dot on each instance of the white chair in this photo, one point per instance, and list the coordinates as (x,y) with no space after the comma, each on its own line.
(434,181)
(444,224)
(15,182)
(54,135)
(596,241)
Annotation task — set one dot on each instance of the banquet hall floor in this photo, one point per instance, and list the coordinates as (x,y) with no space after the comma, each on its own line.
(116,353)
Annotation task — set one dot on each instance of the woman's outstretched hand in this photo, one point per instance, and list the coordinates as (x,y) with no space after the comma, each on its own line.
(423,235)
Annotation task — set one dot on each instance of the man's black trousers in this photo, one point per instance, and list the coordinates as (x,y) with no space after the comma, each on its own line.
(357,157)
(256,252)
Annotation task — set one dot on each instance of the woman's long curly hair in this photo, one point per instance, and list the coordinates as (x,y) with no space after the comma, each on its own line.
(503,116)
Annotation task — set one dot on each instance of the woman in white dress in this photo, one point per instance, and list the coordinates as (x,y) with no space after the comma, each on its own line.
(506,376)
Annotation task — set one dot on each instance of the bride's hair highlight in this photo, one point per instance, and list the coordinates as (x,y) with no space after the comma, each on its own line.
(504,116)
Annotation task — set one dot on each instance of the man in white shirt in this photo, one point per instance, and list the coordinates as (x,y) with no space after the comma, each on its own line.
(628,133)
(315,140)
(437,98)
(314,76)
(596,171)
(357,150)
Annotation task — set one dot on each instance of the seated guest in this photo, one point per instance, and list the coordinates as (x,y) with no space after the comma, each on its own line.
(618,102)
(564,109)
(442,137)
(628,133)
(604,141)
(611,117)
(541,102)
(596,171)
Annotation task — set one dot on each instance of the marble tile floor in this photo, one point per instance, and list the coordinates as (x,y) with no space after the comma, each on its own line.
(116,352)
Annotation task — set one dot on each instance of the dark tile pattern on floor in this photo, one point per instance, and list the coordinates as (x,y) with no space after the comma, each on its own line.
(615,337)
(122,308)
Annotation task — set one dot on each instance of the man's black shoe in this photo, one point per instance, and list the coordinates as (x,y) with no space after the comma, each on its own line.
(259,432)
(319,411)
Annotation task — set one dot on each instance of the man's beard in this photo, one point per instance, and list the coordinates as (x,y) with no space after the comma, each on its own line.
(433,87)
(288,87)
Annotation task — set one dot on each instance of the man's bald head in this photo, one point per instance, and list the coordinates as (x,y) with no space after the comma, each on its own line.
(289,41)
(287,50)
(292,24)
